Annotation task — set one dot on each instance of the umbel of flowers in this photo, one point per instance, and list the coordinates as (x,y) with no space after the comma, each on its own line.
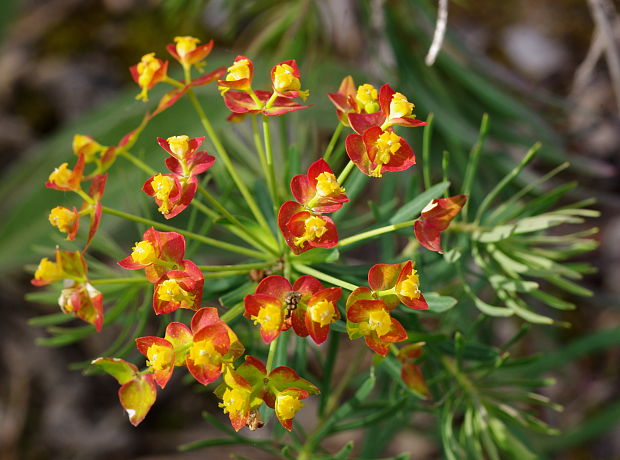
(208,346)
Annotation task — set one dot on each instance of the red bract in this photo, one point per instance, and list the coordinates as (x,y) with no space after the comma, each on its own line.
(181,288)
(243,104)
(187,52)
(435,218)
(410,372)
(319,190)
(137,392)
(377,151)
(147,73)
(96,192)
(171,193)
(83,301)
(239,76)
(304,230)
(65,179)
(157,253)
(397,282)
(370,318)
(395,110)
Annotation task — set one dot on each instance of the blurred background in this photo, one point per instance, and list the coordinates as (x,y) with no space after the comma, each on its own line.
(547,70)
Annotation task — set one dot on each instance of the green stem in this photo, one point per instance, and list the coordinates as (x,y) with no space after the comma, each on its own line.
(137,162)
(472,164)
(325,277)
(223,268)
(375,232)
(102,281)
(345,172)
(271,179)
(227,162)
(272,354)
(259,147)
(233,312)
(203,239)
(332,142)
(240,230)
(426,151)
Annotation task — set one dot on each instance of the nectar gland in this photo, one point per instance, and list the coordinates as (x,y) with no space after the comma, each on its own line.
(144,253)
(380,322)
(387,145)
(203,352)
(366,97)
(179,145)
(269,317)
(327,185)
(322,312)
(62,218)
(159,357)
(314,228)
(400,107)
(147,67)
(171,291)
(162,186)
(410,287)
(287,406)
(47,270)
(61,176)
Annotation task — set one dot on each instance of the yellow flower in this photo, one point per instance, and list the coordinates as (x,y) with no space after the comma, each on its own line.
(239,70)
(203,352)
(171,291)
(144,253)
(287,406)
(400,107)
(366,97)
(62,218)
(380,322)
(322,312)
(314,228)
(327,184)
(284,79)
(185,45)
(61,176)
(159,357)
(410,287)
(269,317)
(179,145)
(47,271)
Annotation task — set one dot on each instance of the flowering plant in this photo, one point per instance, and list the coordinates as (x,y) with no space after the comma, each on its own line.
(296,281)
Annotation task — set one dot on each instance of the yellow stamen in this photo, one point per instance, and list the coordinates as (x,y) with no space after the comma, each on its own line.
(327,184)
(62,218)
(410,287)
(171,291)
(203,352)
(400,106)
(322,312)
(380,321)
(287,406)
(159,357)
(61,175)
(367,98)
(269,317)
(284,80)
(234,401)
(239,70)
(47,270)
(185,45)
(179,145)
(315,228)
(144,253)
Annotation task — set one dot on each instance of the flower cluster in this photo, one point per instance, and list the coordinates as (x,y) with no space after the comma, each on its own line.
(207,346)
(305,306)
(174,192)
(243,100)
(301,222)
(368,309)
(178,282)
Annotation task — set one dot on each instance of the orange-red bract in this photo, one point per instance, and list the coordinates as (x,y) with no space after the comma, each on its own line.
(435,218)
